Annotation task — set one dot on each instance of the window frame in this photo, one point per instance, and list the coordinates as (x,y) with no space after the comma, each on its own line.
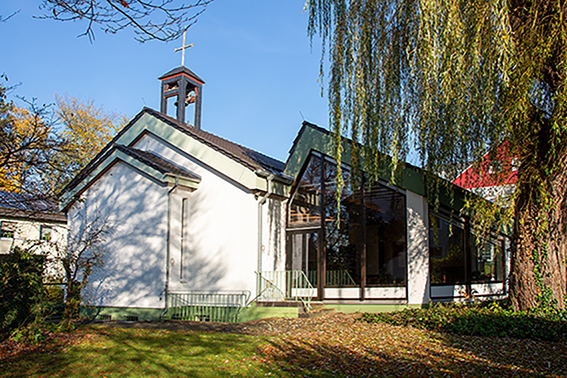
(8,229)
(50,234)
(470,236)
(321,226)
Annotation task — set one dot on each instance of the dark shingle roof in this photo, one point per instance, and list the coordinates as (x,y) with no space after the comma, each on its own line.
(247,157)
(24,205)
(151,159)
(181,69)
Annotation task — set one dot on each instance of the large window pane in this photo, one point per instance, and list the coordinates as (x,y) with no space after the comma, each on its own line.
(447,252)
(448,255)
(385,236)
(315,200)
(342,231)
(304,251)
(486,261)
(305,207)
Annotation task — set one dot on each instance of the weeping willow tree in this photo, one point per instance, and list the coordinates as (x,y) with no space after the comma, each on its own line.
(455,80)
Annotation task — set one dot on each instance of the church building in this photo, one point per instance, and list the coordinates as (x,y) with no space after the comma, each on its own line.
(203,228)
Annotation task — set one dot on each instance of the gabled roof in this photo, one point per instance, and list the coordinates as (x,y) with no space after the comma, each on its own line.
(305,125)
(481,175)
(147,162)
(251,159)
(251,166)
(22,205)
(156,162)
(314,138)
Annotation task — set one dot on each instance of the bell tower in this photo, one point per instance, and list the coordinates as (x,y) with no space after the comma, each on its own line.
(187,88)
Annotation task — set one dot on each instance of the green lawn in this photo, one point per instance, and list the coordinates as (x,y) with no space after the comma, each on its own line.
(109,352)
(331,346)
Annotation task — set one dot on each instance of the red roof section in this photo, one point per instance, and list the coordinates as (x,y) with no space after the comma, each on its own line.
(500,170)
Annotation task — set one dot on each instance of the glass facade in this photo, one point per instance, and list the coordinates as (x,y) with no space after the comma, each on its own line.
(486,261)
(304,253)
(305,210)
(385,211)
(446,251)
(359,233)
(357,237)
(448,255)
(342,232)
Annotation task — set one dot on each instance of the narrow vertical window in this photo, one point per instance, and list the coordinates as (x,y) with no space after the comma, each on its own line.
(182,236)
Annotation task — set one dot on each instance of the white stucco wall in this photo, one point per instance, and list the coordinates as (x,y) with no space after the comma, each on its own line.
(221,229)
(273,235)
(213,239)
(27,234)
(418,248)
(133,207)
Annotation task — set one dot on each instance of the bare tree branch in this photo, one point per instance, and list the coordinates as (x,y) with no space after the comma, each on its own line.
(4,19)
(163,20)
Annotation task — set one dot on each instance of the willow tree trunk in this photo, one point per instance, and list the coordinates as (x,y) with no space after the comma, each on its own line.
(539,258)
(539,249)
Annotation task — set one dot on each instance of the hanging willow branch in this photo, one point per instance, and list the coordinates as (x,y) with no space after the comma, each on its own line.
(398,74)
(456,80)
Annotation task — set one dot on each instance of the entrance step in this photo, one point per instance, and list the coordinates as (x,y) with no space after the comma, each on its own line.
(279,304)
(316,313)
(317,305)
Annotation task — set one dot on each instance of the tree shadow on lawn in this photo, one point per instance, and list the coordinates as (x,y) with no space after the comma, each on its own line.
(433,356)
(506,356)
(141,352)
(378,350)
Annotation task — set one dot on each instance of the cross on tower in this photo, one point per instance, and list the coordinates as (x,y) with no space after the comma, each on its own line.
(182,49)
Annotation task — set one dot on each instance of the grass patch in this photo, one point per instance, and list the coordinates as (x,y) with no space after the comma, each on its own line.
(338,345)
(110,352)
(479,319)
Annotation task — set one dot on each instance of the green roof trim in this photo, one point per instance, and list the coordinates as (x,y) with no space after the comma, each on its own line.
(112,158)
(314,138)
(151,122)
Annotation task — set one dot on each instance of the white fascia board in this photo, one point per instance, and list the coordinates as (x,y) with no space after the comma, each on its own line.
(167,178)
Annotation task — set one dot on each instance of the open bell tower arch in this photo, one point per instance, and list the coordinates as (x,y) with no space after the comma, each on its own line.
(187,88)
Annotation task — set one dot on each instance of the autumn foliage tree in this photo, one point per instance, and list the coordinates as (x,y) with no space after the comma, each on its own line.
(27,142)
(42,149)
(84,130)
(454,79)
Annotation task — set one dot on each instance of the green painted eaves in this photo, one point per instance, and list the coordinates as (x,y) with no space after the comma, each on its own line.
(111,159)
(146,123)
(314,138)
(194,148)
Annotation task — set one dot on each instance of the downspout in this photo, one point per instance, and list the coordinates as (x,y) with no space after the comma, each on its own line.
(269,179)
(166,288)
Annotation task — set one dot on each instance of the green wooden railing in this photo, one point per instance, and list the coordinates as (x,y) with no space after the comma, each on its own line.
(292,285)
(340,278)
(212,306)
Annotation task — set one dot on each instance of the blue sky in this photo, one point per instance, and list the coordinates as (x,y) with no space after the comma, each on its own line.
(255,57)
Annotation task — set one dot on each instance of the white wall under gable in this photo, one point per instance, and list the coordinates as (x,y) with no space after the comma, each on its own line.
(221,240)
(219,225)
(134,208)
